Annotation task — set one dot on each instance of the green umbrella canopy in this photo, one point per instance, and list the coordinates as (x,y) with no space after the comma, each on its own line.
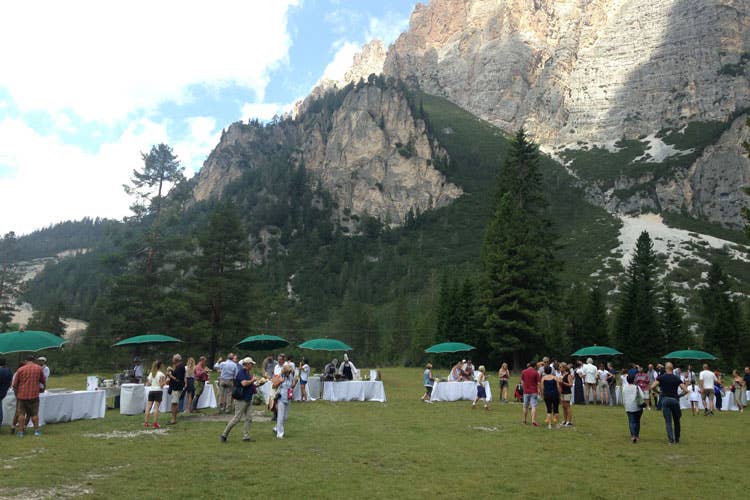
(262,343)
(596,350)
(689,354)
(449,347)
(28,341)
(325,345)
(147,339)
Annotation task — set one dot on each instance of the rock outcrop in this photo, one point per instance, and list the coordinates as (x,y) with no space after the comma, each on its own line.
(370,153)
(591,70)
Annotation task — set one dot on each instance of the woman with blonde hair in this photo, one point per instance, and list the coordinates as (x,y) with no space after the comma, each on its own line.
(481,391)
(504,374)
(190,385)
(155,382)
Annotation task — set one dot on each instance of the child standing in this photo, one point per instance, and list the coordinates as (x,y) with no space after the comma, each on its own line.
(428,382)
(694,396)
(481,392)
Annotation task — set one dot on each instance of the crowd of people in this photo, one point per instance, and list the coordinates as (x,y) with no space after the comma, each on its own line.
(560,384)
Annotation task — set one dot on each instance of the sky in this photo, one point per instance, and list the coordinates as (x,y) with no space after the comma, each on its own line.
(86,86)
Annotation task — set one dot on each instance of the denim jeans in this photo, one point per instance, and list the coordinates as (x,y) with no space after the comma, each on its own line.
(634,422)
(670,407)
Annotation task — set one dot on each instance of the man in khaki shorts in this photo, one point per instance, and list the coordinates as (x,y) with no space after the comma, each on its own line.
(707,380)
(176,385)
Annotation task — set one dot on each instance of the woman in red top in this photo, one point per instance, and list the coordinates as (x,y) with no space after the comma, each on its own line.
(201,377)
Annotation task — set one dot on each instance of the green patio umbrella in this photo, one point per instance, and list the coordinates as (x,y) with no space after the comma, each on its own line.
(146,339)
(449,347)
(325,345)
(262,343)
(28,341)
(596,350)
(689,354)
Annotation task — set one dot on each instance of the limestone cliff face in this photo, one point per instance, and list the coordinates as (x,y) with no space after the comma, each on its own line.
(591,70)
(596,71)
(370,153)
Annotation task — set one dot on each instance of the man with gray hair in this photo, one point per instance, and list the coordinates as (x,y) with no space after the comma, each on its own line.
(177,377)
(589,378)
(227,372)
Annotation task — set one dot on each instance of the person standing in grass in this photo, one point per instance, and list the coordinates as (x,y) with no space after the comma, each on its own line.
(530,381)
(589,377)
(243,406)
(707,380)
(284,399)
(694,396)
(670,386)
(189,385)
(641,380)
(6,379)
(28,382)
(176,385)
(155,382)
(227,371)
(633,400)
(504,374)
(551,388)
(739,388)
(603,385)
(429,380)
(304,375)
(566,386)
(201,378)
(579,396)
(481,391)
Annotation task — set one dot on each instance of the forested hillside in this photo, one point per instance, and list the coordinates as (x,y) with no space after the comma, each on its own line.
(192,271)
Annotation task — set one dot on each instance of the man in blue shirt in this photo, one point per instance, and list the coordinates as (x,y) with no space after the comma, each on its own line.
(227,371)
(243,406)
(6,378)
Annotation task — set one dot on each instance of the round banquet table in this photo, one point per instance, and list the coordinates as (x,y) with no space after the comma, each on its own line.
(458,391)
(61,406)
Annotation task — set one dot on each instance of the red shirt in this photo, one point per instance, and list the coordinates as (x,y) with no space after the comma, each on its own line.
(530,379)
(27,380)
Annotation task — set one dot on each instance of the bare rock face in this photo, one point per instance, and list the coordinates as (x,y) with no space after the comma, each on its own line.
(371,154)
(592,70)
(712,187)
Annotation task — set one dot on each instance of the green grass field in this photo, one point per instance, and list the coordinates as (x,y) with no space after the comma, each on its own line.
(401,449)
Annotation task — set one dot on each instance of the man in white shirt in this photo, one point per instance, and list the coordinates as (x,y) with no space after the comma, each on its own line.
(589,378)
(137,369)
(707,381)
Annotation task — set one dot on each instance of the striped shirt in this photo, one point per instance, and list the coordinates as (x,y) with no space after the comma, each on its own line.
(27,381)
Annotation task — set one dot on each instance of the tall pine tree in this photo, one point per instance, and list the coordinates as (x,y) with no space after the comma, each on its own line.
(637,328)
(720,317)
(672,328)
(518,260)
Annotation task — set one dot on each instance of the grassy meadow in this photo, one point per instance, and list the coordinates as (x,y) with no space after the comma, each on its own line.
(402,449)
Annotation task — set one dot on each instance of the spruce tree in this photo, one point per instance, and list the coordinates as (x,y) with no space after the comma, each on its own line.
(595,321)
(672,328)
(637,329)
(219,287)
(518,260)
(720,317)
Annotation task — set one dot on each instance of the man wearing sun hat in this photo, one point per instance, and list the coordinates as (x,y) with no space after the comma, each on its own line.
(243,406)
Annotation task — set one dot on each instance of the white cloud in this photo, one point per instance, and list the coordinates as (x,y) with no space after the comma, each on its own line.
(104,60)
(341,62)
(264,111)
(387,28)
(52,181)
(193,149)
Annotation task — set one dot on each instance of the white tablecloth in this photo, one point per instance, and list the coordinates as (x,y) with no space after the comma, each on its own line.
(314,387)
(133,399)
(61,406)
(354,391)
(456,391)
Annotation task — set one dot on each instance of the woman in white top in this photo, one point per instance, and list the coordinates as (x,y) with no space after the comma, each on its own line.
(154,384)
(603,386)
(694,396)
(304,375)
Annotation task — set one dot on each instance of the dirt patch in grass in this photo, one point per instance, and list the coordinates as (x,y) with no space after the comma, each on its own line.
(71,490)
(127,434)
